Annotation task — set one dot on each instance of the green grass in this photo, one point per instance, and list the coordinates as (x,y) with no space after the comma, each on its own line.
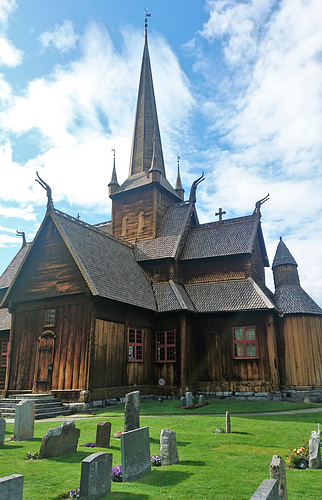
(219,466)
(171,406)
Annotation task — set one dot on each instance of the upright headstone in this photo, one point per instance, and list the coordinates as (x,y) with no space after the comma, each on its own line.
(268,490)
(103,434)
(24,420)
(168,447)
(2,430)
(63,439)
(228,423)
(135,453)
(11,487)
(132,411)
(315,451)
(189,398)
(277,471)
(96,475)
(201,400)
(182,402)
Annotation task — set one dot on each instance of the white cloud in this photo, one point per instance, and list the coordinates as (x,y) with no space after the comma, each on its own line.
(9,55)
(63,37)
(6,8)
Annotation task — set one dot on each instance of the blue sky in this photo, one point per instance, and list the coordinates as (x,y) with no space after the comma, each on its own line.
(238,91)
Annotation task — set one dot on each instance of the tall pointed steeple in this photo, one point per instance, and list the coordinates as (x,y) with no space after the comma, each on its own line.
(146,126)
(113,184)
(179,189)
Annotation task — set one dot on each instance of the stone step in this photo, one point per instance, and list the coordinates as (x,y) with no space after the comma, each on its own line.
(46,406)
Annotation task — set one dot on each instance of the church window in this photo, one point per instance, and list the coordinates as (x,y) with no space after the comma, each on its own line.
(244,342)
(135,345)
(156,270)
(50,317)
(124,225)
(141,221)
(4,354)
(166,346)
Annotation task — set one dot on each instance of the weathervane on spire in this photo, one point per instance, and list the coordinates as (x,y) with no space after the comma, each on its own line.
(113,149)
(146,10)
(178,161)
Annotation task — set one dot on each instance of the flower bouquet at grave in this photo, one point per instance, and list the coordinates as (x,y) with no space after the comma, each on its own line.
(90,445)
(117,434)
(74,493)
(156,460)
(117,474)
(298,458)
(32,455)
(219,429)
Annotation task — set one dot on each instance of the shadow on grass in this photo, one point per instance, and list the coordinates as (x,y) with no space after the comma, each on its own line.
(194,463)
(243,433)
(68,458)
(161,477)
(122,494)
(11,446)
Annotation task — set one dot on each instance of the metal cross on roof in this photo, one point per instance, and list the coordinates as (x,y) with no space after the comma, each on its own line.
(220,213)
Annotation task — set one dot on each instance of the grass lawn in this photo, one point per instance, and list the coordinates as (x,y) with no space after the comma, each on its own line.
(214,466)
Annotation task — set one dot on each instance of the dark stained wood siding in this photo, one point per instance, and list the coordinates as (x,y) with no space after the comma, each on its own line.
(216,269)
(4,337)
(257,269)
(49,270)
(300,351)
(151,200)
(71,344)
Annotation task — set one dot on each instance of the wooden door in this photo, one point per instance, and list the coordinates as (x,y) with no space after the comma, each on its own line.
(214,356)
(44,363)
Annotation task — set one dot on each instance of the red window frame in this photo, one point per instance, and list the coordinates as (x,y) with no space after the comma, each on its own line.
(245,342)
(50,315)
(165,346)
(135,352)
(4,354)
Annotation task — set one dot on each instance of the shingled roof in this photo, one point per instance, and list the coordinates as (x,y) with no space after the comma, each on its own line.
(166,244)
(233,295)
(171,296)
(8,275)
(292,299)
(101,258)
(223,238)
(283,256)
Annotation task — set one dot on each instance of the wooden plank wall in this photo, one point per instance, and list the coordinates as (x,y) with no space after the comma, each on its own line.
(300,351)
(72,330)
(4,337)
(49,270)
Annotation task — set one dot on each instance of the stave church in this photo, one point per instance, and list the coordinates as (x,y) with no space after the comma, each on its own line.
(90,312)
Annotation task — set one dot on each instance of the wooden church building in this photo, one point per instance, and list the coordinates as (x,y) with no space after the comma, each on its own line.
(97,311)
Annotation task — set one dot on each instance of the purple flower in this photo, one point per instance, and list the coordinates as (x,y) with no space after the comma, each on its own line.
(117,473)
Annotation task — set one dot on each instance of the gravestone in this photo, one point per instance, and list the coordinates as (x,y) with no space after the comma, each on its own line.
(60,440)
(2,430)
(201,400)
(24,420)
(189,398)
(132,411)
(182,402)
(103,434)
(96,475)
(268,490)
(135,453)
(277,471)
(315,451)
(11,487)
(168,447)
(228,423)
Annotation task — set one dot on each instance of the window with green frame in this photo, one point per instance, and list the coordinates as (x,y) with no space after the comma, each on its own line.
(244,342)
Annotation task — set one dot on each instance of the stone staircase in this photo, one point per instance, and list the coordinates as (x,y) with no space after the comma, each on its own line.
(46,406)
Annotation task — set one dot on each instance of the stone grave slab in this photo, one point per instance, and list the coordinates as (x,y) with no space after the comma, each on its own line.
(182,402)
(96,475)
(228,423)
(11,487)
(168,447)
(268,490)
(277,471)
(188,396)
(201,400)
(135,453)
(24,420)
(2,430)
(60,440)
(315,451)
(103,434)
(132,411)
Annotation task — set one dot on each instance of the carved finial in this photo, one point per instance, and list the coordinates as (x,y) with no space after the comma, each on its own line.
(113,152)
(259,203)
(192,196)
(45,186)
(21,233)
(220,213)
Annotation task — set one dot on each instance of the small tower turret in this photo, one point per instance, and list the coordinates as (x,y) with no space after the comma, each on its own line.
(179,189)
(113,185)
(284,267)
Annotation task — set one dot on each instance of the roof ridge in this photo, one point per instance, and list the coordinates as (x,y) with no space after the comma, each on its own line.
(224,222)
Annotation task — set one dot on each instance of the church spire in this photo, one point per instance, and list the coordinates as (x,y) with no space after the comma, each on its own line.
(113,184)
(146,140)
(179,189)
